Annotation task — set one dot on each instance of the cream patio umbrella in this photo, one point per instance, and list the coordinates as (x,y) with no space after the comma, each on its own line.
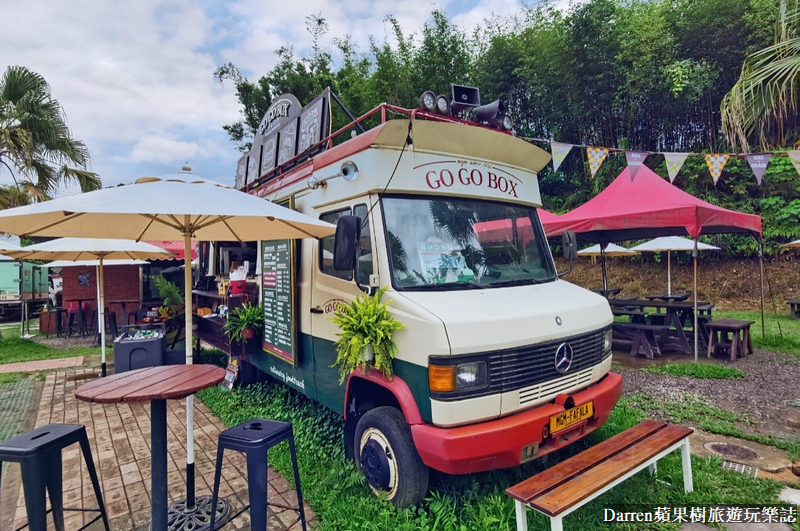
(669,244)
(179,206)
(74,249)
(795,243)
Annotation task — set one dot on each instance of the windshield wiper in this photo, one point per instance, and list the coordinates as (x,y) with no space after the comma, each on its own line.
(519,282)
(465,284)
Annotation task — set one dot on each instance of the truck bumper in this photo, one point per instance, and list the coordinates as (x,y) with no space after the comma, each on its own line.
(499,443)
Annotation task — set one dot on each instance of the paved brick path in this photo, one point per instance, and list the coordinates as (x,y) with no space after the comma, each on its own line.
(119,435)
(42,365)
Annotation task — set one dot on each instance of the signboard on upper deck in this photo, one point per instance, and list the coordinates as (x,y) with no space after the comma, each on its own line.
(288,129)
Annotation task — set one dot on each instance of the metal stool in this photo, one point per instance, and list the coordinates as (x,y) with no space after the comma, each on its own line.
(75,312)
(111,325)
(57,313)
(39,454)
(254,438)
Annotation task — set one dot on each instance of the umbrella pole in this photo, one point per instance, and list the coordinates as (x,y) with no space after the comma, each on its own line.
(101,313)
(187,282)
(761,267)
(696,343)
(669,274)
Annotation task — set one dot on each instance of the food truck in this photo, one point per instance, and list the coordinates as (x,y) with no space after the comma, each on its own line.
(500,361)
(21,281)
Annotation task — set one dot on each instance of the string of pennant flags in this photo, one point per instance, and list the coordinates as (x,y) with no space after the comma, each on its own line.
(716,161)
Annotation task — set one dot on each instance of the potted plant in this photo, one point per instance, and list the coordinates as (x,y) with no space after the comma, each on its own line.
(244,322)
(365,335)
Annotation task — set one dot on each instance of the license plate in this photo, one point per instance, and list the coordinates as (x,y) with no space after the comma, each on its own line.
(571,417)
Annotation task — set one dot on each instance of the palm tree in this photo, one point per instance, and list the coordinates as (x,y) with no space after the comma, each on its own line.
(36,145)
(765,98)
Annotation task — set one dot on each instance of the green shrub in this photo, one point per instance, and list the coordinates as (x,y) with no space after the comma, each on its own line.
(698,370)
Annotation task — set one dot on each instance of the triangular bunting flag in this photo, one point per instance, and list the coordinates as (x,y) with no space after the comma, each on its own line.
(635,159)
(674,163)
(560,152)
(716,161)
(758,163)
(596,157)
(794,156)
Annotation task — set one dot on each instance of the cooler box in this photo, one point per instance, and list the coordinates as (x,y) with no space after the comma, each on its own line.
(137,349)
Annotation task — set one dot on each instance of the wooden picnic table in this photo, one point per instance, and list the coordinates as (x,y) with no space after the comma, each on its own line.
(667,296)
(674,314)
(610,292)
(156,384)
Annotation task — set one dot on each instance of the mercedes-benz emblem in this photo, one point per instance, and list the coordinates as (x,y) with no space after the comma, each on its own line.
(558,320)
(563,358)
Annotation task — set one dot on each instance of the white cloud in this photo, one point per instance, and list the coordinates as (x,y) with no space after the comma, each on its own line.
(136,78)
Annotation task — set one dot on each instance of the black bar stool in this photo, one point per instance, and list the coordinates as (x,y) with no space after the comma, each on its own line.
(111,325)
(39,454)
(58,315)
(75,315)
(254,438)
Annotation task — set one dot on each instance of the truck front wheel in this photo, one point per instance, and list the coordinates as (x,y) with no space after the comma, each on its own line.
(386,455)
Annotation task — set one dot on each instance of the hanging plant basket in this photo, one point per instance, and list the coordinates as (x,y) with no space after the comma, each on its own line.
(248,333)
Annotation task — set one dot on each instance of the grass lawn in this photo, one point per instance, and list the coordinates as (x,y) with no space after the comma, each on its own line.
(782,332)
(14,348)
(342,501)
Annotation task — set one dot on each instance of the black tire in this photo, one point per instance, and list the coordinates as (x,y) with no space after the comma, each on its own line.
(385,453)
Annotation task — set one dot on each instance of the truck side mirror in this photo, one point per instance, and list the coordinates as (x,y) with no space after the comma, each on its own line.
(569,242)
(345,246)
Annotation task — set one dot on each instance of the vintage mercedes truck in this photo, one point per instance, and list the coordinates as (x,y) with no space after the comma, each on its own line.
(499,362)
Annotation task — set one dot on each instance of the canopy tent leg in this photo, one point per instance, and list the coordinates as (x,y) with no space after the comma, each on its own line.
(605,273)
(761,268)
(694,258)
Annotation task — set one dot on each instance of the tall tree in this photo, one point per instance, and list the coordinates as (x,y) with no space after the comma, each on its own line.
(36,146)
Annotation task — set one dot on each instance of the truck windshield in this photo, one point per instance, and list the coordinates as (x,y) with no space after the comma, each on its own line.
(454,243)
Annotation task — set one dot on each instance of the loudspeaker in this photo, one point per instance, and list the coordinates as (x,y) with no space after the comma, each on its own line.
(491,113)
(464,98)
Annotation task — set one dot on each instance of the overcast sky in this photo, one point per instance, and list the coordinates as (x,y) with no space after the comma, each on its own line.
(136,78)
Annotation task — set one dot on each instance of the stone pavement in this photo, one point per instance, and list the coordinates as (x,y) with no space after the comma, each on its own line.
(119,436)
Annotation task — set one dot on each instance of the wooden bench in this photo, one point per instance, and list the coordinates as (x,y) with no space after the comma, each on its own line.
(738,343)
(569,485)
(647,338)
(794,308)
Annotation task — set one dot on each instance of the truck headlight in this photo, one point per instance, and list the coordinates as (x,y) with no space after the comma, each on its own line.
(471,375)
(459,377)
(607,336)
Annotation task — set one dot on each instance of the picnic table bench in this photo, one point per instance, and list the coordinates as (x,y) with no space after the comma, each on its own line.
(644,337)
(732,335)
(794,308)
(565,487)
(636,316)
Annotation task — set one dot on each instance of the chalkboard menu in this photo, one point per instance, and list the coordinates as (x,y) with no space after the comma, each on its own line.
(277,273)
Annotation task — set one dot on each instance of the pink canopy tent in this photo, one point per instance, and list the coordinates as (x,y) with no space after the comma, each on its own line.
(648,207)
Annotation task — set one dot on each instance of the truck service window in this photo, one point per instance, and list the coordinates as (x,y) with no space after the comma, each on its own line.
(452,243)
(326,247)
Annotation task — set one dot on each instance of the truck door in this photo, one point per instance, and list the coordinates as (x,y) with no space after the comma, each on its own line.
(329,288)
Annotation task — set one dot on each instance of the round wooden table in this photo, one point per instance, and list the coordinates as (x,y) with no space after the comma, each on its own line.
(156,384)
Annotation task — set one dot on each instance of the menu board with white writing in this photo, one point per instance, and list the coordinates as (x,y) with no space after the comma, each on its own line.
(278,297)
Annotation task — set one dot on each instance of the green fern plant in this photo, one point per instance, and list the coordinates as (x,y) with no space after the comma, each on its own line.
(366,322)
(169,292)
